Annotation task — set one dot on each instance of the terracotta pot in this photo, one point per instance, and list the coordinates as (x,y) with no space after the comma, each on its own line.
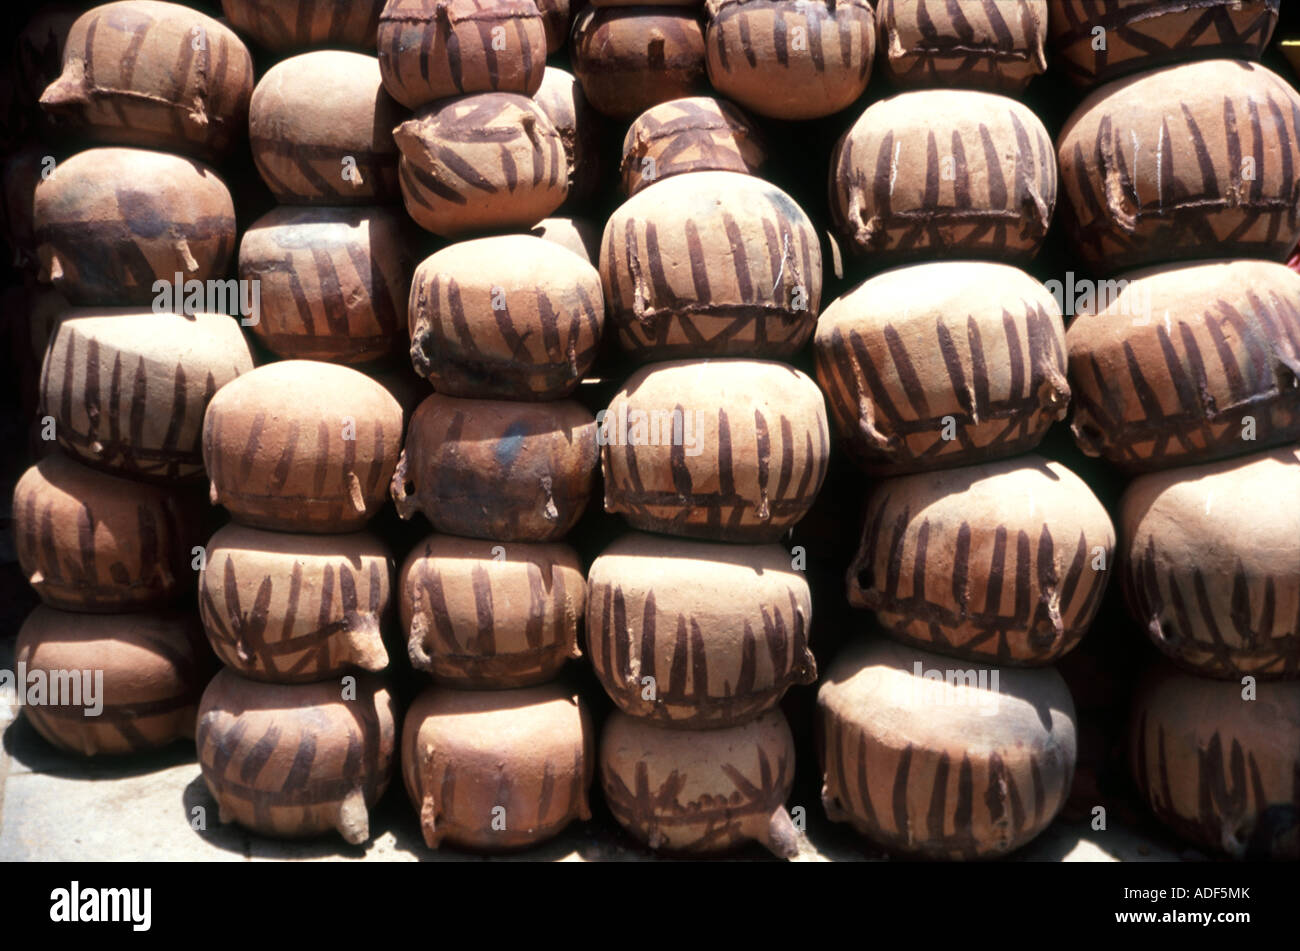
(1228,190)
(316,149)
(128,388)
(1216,586)
(579,235)
(1185,363)
(301,446)
(944,173)
(497,470)
(697,635)
(112,683)
(1140,34)
(560,96)
(497,770)
(937,762)
(711,264)
(510,317)
(156,75)
(280,26)
(333,281)
(482,614)
(491,161)
(89,541)
(938,365)
(724,450)
(701,791)
(696,134)
(771,55)
(434,49)
(968,44)
(300,760)
(629,59)
(1216,768)
(1005,561)
(555,20)
(110,223)
(290,608)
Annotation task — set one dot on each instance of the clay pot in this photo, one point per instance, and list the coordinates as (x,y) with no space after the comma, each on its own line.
(1217,768)
(301,446)
(111,683)
(944,173)
(629,59)
(156,75)
(110,223)
(555,20)
(724,450)
(701,791)
(1140,34)
(333,281)
(295,608)
(89,541)
(498,470)
(434,49)
(128,388)
(1004,561)
(937,762)
(967,44)
(510,317)
(482,614)
(578,235)
(674,629)
(497,770)
(1227,190)
(280,27)
(790,59)
(1216,586)
(560,96)
(300,760)
(938,365)
(697,134)
(487,162)
(711,264)
(317,149)
(1188,363)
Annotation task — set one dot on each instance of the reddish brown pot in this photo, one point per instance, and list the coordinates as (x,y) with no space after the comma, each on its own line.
(1215,171)
(555,20)
(333,281)
(1186,363)
(944,173)
(1216,586)
(301,446)
(701,791)
(156,75)
(771,56)
(968,44)
(560,96)
(89,541)
(938,365)
(578,235)
(128,388)
(711,264)
(291,608)
(697,635)
(1005,561)
(696,134)
(1217,768)
(110,223)
(510,317)
(483,614)
(497,470)
(434,49)
(1140,34)
(146,673)
(725,450)
(316,149)
(629,59)
(281,26)
(972,765)
(301,760)
(492,161)
(497,770)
